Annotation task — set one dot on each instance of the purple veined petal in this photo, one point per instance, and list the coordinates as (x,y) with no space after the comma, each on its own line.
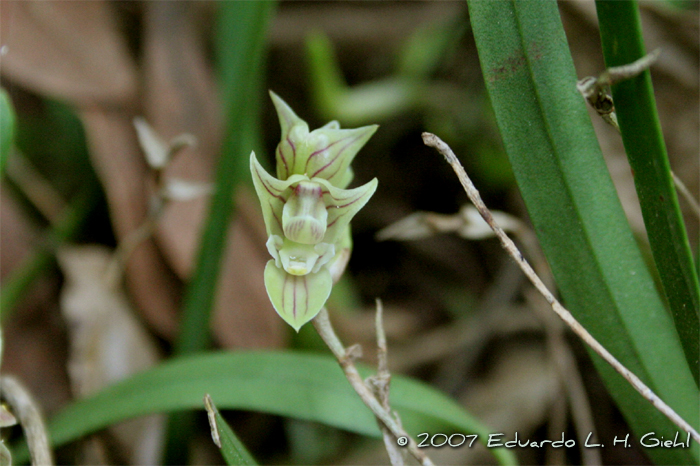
(272,193)
(343,247)
(342,205)
(294,132)
(340,146)
(297,299)
(288,119)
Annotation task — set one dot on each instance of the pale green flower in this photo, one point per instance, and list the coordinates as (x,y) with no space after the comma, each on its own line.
(307,212)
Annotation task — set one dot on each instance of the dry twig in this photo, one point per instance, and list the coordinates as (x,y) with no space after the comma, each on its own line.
(473,194)
(380,386)
(596,91)
(27,411)
(346,358)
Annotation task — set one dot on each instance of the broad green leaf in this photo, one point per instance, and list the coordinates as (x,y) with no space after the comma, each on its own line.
(573,205)
(621,37)
(298,385)
(232,449)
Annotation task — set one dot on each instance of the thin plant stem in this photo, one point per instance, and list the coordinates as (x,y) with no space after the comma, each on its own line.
(380,384)
(685,192)
(117,265)
(26,410)
(37,262)
(432,140)
(43,196)
(346,359)
(596,91)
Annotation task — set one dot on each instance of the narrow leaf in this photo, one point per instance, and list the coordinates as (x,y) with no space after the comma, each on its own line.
(621,37)
(303,386)
(241,39)
(7,128)
(232,449)
(578,218)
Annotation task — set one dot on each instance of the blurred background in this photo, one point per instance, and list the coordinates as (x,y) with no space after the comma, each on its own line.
(458,313)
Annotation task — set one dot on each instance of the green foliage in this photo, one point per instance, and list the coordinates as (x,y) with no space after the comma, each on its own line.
(563,179)
(240,41)
(302,386)
(16,285)
(232,449)
(7,128)
(621,37)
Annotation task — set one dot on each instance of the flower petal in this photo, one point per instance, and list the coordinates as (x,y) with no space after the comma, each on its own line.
(331,151)
(342,205)
(343,248)
(288,119)
(154,148)
(297,299)
(294,133)
(273,193)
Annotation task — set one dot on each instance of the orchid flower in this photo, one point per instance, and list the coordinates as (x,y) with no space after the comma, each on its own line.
(307,212)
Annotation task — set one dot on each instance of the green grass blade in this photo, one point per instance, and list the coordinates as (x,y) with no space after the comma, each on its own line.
(240,41)
(7,128)
(573,205)
(232,449)
(241,33)
(299,385)
(17,284)
(244,56)
(621,37)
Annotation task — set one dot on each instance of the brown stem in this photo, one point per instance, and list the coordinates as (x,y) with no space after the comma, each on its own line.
(346,359)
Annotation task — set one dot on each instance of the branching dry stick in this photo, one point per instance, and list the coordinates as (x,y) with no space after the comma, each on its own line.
(117,265)
(380,385)
(596,91)
(346,359)
(433,141)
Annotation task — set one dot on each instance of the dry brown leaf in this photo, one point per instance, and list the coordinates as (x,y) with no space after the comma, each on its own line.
(16,235)
(180,96)
(73,50)
(107,343)
(33,337)
(244,316)
(120,165)
(67,50)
